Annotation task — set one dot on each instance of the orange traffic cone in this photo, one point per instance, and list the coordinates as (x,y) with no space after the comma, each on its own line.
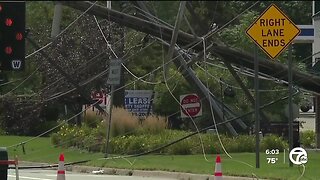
(218,169)
(61,174)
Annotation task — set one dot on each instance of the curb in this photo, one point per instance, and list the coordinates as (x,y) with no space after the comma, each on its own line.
(161,174)
(141,173)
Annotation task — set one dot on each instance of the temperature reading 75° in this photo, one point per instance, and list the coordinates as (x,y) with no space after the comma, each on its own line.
(272,160)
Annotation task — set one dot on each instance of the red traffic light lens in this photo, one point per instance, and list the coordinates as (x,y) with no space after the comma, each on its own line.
(9,22)
(0,7)
(19,36)
(8,50)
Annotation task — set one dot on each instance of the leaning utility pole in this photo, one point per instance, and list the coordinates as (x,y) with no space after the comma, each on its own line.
(233,56)
(56,22)
(119,94)
(174,37)
(109,111)
(315,59)
(186,71)
(56,19)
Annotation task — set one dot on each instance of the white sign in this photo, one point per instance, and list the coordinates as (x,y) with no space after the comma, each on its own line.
(301,156)
(103,98)
(138,101)
(16,64)
(114,72)
(190,105)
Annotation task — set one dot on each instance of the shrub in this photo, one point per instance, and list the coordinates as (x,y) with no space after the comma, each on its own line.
(55,139)
(183,147)
(69,136)
(44,126)
(211,143)
(91,119)
(273,142)
(137,145)
(123,122)
(93,139)
(308,139)
(2,132)
(154,124)
(93,144)
(229,143)
(245,143)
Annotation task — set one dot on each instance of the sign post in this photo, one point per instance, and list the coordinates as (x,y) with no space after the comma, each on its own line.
(113,79)
(273,32)
(257,105)
(290,118)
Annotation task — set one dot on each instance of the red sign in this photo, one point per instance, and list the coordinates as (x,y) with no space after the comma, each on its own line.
(100,96)
(191,105)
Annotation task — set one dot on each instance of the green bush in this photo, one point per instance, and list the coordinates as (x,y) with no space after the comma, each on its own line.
(55,139)
(94,139)
(91,119)
(245,143)
(154,124)
(44,126)
(93,144)
(123,122)
(182,147)
(229,143)
(211,144)
(308,139)
(273,142)
(70,136)
(2,132)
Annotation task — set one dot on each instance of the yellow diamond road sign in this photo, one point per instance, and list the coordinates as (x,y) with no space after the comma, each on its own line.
(273,31)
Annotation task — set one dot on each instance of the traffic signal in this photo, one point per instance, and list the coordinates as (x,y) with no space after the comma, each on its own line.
(12,35)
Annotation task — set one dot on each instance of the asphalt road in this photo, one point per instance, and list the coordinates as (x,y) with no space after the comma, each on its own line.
(35,174)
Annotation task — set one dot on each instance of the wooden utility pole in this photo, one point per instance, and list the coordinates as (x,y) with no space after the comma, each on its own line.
(174,36)
(56,19)
(118,99)
(317,123)
(233,56)
(229,66)
(188,73)
(315,59)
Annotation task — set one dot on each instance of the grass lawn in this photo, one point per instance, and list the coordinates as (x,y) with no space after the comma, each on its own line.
(238,165)
(41,150)
(241,164)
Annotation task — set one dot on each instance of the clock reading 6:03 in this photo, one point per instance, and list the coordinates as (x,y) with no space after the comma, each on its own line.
(272,151)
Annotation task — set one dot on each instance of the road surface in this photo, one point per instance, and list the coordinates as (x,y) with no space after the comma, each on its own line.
(36,174)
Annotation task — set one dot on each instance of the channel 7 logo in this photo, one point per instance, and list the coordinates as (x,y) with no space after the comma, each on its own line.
(298,156)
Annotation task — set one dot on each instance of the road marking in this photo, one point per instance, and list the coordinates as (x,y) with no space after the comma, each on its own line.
(32,178)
